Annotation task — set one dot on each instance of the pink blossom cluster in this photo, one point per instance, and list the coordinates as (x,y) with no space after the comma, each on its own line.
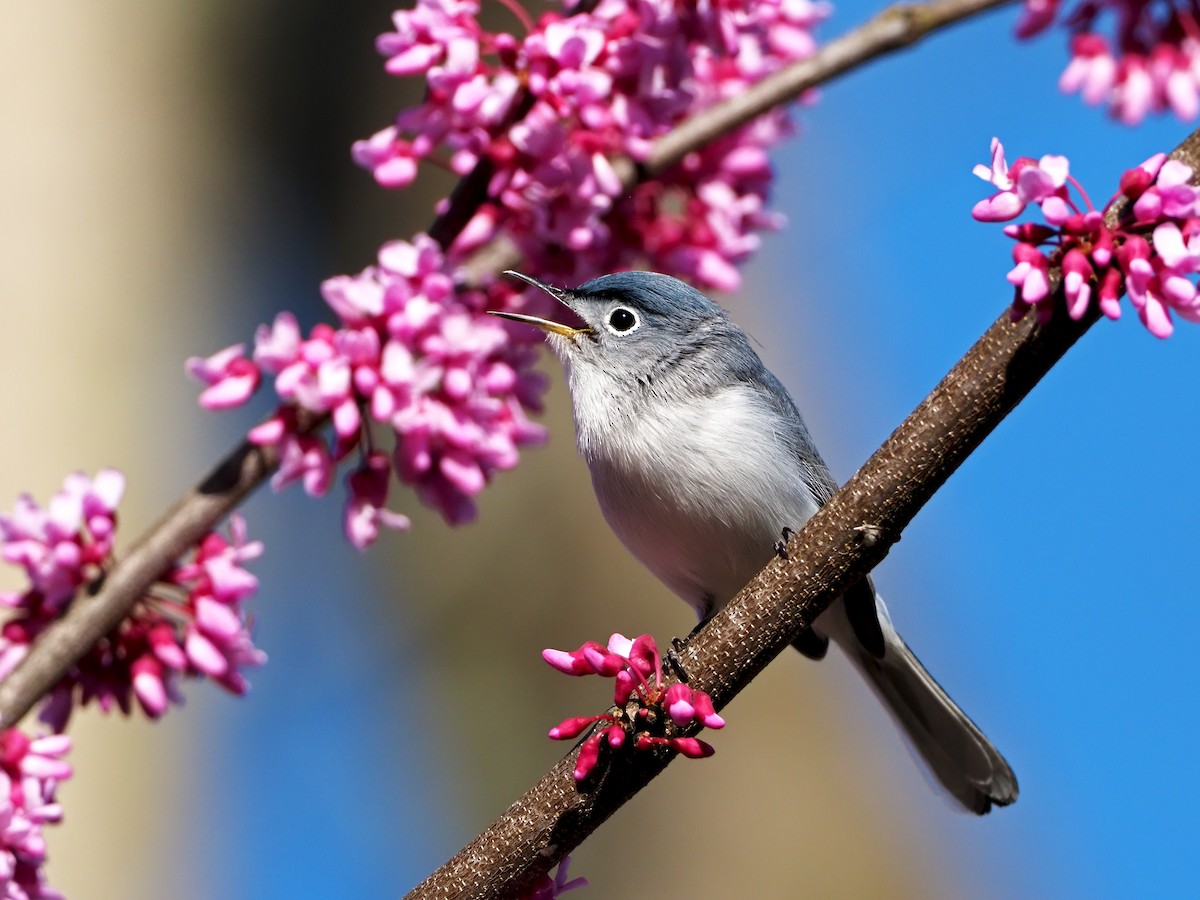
(410,354)
(1150,64)
(192,623)
(535,120)
(1152,254)
(638,697)
(544,114)
(548,887)
(30,772)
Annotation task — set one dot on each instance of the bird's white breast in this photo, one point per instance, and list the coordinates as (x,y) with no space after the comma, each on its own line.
(698,490)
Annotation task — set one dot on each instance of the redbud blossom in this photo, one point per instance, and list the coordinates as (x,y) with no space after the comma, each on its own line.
(191,623)
(231,378)
(412,356)
(549,887)
(547,110)
(693,748)
(30,772)
(1154,259)
(639,680)
(367,490)
(1149,64)
(572,728)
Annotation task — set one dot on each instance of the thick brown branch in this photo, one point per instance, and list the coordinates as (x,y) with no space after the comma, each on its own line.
(838,546)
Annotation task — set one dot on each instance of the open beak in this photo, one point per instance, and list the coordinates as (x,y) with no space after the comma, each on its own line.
(544,324)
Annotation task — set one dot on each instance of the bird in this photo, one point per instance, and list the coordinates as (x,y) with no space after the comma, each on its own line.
(700,459)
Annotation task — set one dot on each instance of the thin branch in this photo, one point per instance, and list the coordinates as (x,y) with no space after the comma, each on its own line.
(848,537)
(246,467)
(896,28)
(90,618)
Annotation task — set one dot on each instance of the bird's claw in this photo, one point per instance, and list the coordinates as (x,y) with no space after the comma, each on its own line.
(781,545)
(673,660)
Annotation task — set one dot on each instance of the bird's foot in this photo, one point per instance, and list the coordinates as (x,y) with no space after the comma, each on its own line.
(673,660)
(781,545)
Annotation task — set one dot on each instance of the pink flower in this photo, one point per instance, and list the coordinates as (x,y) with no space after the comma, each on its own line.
(192,623)
(1077,282)
(1036,16)
(1027,182)
(410,352)
(61,547)
(231,378)
(1153,68)
(367,493)
(451,383)
(1031,275)
(590,659)
(640,702)
(548,888)
(1092,70)
(686,706)
(693,748)
(30,771)
(595,84)
(1170,195)
(1098,262)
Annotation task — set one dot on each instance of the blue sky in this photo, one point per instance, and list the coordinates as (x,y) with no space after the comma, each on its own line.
(1054,574)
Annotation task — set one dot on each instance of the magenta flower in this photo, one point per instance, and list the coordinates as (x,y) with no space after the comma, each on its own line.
(191,624)
(412,353)
(30,772)
(62,546)
(548,109)
(1150,64)
(453,385)
(643,708)
(367,493)
(549,887)
(231,378)
(1028,181)
(1154,259)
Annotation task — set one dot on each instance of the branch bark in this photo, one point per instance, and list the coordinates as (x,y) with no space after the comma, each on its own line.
(848,537)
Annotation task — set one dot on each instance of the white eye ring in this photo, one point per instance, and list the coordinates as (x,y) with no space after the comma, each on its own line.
(622,320)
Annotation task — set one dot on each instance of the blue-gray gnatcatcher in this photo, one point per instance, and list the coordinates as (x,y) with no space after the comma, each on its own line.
(700,460)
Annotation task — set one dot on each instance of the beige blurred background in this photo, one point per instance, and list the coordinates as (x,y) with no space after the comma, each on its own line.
(161,164)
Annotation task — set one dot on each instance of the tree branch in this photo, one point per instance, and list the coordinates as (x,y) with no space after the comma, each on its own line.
(848,537)
(893,29)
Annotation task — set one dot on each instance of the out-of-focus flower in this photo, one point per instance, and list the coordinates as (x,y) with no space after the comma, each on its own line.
(546,111)
(231,378)
(549,887)
(1149,64)
(191,623)
(62,546)
(30,772)
(413,356)
(1153,255)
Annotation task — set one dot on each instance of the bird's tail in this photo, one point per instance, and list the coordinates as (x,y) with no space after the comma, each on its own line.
(957,753)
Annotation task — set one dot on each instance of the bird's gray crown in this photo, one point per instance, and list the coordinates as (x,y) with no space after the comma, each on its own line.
(654,293)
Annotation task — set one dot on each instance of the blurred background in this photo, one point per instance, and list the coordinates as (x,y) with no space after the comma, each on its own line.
(173,174)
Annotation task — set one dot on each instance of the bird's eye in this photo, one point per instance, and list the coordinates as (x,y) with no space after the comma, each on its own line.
(621,320)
